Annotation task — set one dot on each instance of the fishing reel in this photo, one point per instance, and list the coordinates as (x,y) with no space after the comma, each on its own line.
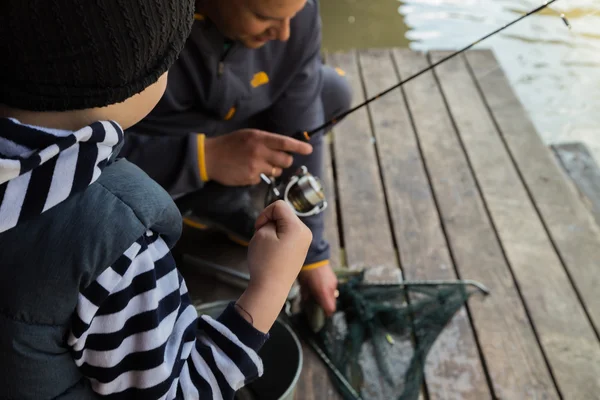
(301,191)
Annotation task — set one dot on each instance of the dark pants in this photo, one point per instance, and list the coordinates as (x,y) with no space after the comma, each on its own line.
(336,97)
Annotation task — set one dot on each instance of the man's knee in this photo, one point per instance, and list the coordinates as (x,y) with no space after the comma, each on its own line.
(337,93)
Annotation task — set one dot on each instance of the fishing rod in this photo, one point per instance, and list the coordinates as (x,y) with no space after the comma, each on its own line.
(304,191)
(306,135)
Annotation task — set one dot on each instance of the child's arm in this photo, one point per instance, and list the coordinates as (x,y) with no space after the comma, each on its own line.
(135,332)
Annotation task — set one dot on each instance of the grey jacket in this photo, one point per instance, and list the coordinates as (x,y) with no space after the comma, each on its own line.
(215,91)
(90,298)
(48,257)
(208,82)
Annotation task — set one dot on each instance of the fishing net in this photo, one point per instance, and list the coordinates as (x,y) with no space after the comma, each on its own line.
(376,344)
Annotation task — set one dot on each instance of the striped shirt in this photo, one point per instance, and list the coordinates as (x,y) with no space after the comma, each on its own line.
(135,333)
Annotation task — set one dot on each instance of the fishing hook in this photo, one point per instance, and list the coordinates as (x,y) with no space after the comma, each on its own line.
(565,20)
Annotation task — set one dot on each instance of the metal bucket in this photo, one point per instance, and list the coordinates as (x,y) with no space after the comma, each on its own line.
(282,360)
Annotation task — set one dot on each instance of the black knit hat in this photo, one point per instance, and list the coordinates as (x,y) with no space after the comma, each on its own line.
(58,55)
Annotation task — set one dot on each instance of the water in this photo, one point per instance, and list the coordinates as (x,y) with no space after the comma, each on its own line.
(555,71)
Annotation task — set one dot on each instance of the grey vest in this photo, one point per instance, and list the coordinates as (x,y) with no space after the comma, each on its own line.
(47,260)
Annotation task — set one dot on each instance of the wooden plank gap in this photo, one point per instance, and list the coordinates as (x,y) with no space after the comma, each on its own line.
(333,228)
(367,240)
(453,367)
(439,55)
(517,285)
(568,224)
(535,205)
(462,145)
(450,250)
(419,151)
(506,339)
(365,80)
(579,164)
(565,332)
(378,158)
(432,58)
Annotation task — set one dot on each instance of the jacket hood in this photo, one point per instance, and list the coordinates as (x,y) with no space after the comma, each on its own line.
(41,167)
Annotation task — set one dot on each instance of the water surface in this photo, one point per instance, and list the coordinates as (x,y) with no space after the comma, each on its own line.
(555,71)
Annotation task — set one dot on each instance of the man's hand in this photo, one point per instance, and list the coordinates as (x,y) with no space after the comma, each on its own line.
(321,284)
(238,158)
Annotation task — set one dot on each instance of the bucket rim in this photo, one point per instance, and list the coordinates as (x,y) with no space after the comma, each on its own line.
(294,382)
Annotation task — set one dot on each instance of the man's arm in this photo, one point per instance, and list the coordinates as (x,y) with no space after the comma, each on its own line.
(176,162)
(300,108)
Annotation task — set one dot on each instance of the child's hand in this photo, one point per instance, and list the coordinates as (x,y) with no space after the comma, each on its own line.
(275,257)
(278,248)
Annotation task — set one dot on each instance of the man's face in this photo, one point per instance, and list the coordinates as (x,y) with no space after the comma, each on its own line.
(255,22)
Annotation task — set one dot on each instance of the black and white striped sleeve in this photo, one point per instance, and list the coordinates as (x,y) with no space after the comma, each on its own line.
(135,334)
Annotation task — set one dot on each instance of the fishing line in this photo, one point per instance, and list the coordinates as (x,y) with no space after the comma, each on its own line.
(565,22)
(306,135)
(303,191)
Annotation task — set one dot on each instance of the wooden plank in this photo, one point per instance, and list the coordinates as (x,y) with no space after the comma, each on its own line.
(563,328)
(331,222)
(366,232)
(571,227)
(315,382)
(453,368)
(579,163)
(514,360)
(366,229)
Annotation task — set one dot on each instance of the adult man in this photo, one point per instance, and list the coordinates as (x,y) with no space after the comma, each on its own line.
(250,74)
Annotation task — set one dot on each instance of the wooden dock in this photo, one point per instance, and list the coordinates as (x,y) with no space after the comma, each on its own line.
(447,178)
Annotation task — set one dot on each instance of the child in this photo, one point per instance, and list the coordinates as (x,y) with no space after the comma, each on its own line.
(91,303)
